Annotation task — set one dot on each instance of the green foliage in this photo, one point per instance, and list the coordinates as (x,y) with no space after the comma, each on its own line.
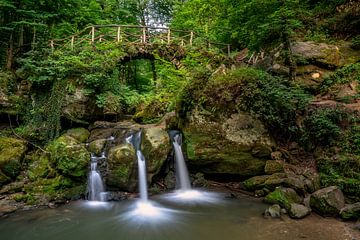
(342,171)
(355,43)
(344,75)
(248,89)
(322,127)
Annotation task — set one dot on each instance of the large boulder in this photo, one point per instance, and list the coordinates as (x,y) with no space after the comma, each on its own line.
(325,55)
(155,147)
(298,211)
(233,146)
(121,174)
(327,201)
(70,156)
(272,167)
(80,108)
(12,152)
(284,197)
(350,211)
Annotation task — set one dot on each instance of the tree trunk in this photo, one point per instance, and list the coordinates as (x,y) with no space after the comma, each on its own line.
(10,53)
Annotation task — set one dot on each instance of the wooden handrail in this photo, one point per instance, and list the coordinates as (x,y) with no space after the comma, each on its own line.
(144,36)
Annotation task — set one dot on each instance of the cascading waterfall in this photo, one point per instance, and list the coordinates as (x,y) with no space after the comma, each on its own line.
(181,169)
(96,188)
(135,140)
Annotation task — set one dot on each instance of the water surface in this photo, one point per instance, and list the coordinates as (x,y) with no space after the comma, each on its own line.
(220,218)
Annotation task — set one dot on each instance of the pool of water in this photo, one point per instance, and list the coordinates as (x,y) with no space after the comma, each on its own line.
(167,217)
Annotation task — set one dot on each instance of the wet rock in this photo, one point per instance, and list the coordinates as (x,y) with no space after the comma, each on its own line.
(298,211)
(155,147)
(272,167)
(170,180)
(327,201)
(273,211)
(97,146)
(350,211)
(199,180)
(284,197)
(121,173)
(12,151)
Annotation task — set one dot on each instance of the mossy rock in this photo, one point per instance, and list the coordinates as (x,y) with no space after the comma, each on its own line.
(70,157)
(12,152)
(155,147)
(284,197)
(40,166)
(327,201)
(255,183)
(97,146)
(80,134)
(121,173)
(265,181)
(272,167)
(48,189)
(351,211)
(213,155)
(4,179)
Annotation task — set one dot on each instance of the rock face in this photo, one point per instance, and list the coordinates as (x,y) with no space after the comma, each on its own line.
(327,201)
(284,197)
(12,151)
(155,147)
(351,211)
(80,108)
(325,55)
(121,172)
(236,146)
(298,211)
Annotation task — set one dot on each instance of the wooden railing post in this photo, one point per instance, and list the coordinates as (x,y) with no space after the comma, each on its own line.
(52,45)
(118,34)
(169,36)
(92,34)
(144,35)
(72,42)
(191,38)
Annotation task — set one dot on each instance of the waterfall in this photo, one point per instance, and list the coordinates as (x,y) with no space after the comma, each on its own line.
(180,165)
(95,184)
(135,140)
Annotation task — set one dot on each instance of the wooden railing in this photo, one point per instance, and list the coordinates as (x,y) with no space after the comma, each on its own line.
(134,35)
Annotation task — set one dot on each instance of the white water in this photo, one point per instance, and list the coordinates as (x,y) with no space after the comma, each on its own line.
(181,169)
(142,176)
(95,187)
(95,184)
(135,140)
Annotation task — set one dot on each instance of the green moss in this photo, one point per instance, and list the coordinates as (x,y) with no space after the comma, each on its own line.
(284,197)
(343,172)
(210,153)
(70,157)
(80,134)
(12,152)
(40,166)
